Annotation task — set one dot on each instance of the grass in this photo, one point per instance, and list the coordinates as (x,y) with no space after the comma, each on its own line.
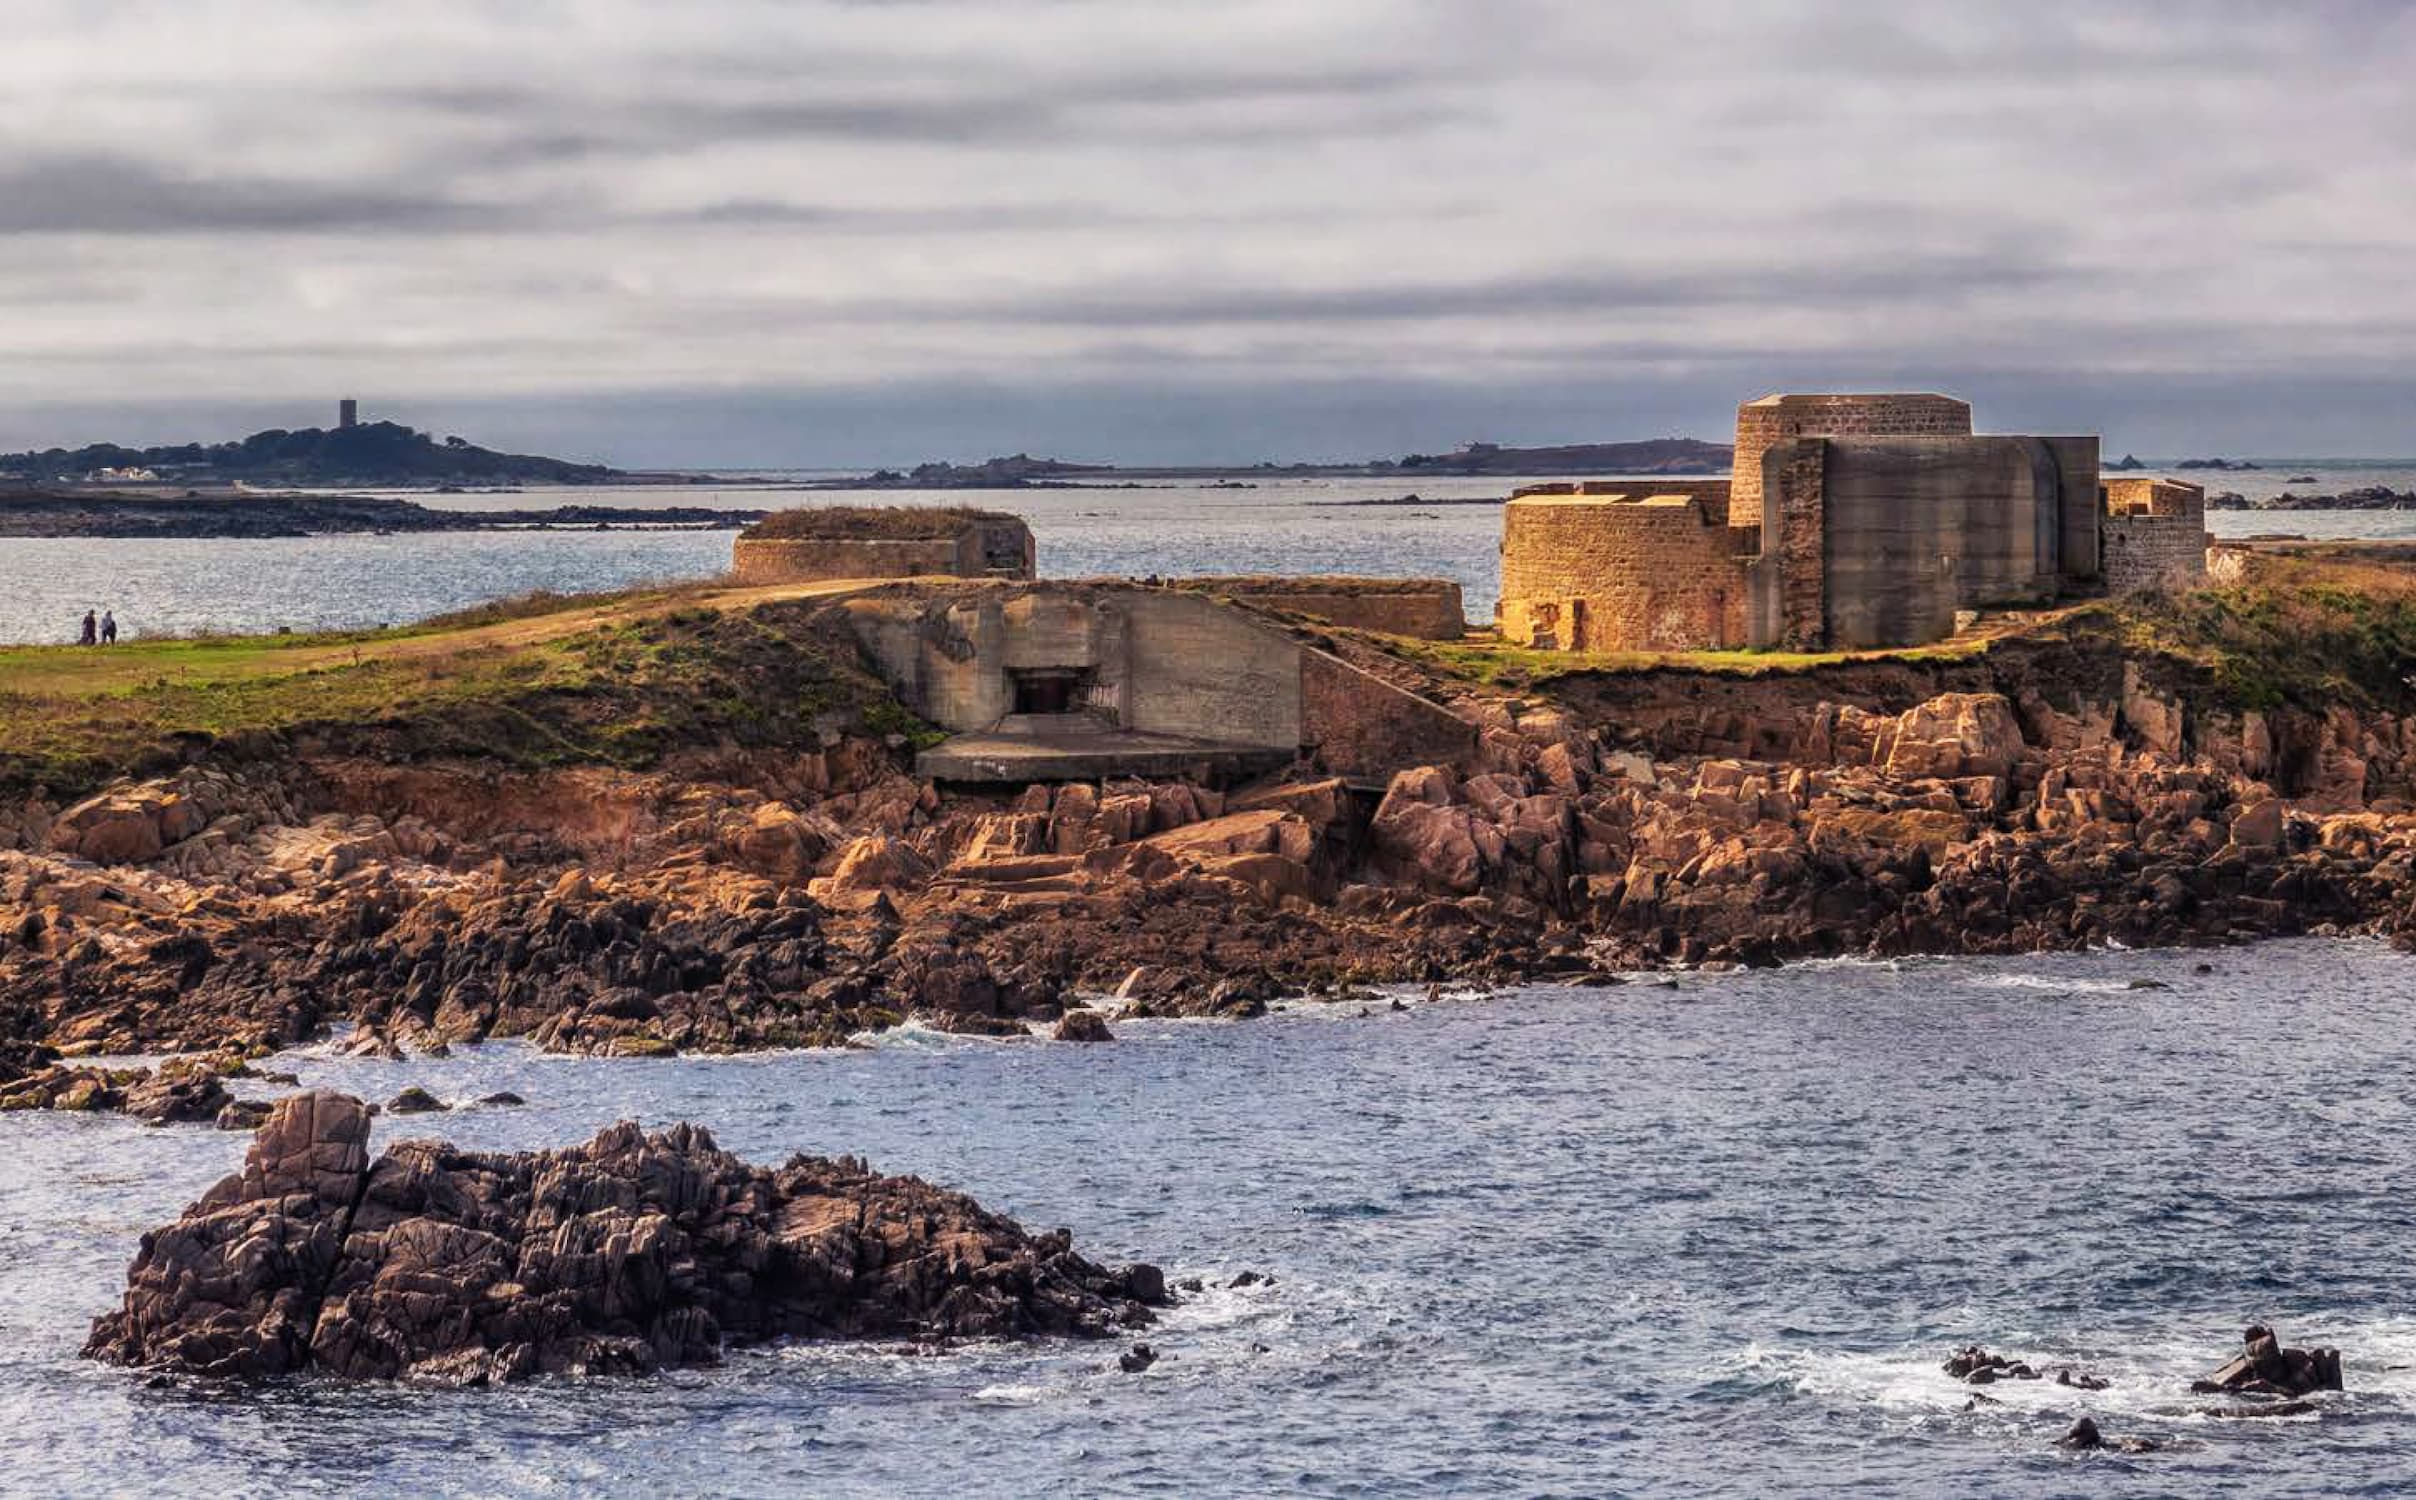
(615,679)
(1496,663)
(2311,632)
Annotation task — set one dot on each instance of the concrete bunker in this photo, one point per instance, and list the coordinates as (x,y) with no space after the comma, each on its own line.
(1076,681)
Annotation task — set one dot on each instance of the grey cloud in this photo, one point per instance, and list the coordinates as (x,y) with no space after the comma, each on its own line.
(1211,215)
(98,194)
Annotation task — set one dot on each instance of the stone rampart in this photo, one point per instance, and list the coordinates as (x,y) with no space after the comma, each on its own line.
(805,546)
(1638,570)
(2154,535)
(805,559)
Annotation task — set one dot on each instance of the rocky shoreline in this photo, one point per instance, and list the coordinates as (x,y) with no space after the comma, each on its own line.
(2370,497)
(2042,797)
(632,1253)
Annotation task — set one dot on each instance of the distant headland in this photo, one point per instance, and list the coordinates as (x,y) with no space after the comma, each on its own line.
(352,452)
(1476,460)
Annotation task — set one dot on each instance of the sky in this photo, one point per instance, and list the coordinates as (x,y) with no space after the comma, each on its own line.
(791,232)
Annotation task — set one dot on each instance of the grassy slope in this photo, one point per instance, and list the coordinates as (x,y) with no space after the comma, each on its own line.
(2306,632)
(623,679)
(616,680)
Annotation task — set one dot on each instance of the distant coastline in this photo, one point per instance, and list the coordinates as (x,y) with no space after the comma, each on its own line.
(106,514)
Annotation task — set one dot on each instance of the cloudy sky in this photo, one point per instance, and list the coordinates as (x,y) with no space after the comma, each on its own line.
(770,231)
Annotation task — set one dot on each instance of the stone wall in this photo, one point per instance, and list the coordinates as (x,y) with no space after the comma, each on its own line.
(1633,569)
(1426,608)
(1780,418)
(755,560)
(1002,548)
(2154,534)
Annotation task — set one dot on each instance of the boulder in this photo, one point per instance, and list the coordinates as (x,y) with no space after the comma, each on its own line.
(128,825)
(780,843)
(878,862)
(2264,1368)
(1083,1026)
(1954,736)
(630,1253)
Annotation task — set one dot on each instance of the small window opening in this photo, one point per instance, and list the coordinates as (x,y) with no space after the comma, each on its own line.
(1051,690)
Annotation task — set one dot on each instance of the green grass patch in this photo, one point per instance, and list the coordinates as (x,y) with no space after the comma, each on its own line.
(1495,663)
(621,691)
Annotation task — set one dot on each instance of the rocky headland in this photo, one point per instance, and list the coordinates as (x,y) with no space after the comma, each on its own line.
(697,829)
(632,1253)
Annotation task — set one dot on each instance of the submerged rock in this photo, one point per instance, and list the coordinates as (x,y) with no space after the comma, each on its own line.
(415,1100)
(631,1253)
(1083,1026)
(2084,1437)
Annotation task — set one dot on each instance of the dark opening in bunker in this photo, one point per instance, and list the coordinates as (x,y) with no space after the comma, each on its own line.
(1051,690)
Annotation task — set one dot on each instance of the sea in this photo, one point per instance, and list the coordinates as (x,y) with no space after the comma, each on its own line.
(1704,1235)
(1277,524)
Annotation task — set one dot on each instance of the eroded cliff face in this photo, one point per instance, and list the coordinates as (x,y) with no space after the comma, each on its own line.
(2038,798)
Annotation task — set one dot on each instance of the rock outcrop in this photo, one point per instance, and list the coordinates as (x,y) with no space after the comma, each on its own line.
(631,1253)
(740,900)
(2265,1368)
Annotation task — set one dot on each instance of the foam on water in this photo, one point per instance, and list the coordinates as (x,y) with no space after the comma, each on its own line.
(1711,1240)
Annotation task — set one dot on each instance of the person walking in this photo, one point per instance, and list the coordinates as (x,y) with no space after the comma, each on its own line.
(88,629)
(108,627)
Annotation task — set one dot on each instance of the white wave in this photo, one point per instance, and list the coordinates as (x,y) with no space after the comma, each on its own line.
(2147,1382)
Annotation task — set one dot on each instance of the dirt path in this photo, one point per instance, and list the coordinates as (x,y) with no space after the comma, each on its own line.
(87,670)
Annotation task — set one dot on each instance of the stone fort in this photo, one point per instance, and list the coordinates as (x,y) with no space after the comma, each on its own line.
(1849,521)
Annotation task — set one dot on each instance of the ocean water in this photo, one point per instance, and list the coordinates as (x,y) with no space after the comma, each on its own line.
(1280,526)
(351,582)
(1712,1239)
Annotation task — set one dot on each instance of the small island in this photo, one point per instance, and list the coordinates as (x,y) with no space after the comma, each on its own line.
(352,452)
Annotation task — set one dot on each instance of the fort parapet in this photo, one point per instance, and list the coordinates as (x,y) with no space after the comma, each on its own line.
(816,543)
(1611,566)
(2155,534)
(1853,521)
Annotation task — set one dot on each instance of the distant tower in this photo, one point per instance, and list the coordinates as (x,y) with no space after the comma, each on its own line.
(348,413)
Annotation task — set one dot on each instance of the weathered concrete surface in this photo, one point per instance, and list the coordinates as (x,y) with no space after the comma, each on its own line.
(1424,608)
(1917,528)
(1055,682)
(1091,752)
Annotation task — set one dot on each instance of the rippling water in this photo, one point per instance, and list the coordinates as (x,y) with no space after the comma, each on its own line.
(1280,526)
(180,587)
(1711,1239)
